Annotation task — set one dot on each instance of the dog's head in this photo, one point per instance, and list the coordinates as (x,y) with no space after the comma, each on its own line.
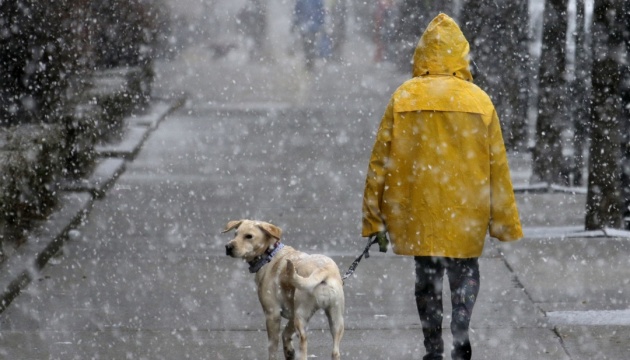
(251,239)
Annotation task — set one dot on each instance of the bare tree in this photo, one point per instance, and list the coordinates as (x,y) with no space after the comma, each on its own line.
(413,18)
(43,44)
(580,90)
(625,97)
(497,32)
(603,203)
(548,164)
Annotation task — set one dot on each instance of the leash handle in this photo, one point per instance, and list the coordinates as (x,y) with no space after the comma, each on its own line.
(371,241)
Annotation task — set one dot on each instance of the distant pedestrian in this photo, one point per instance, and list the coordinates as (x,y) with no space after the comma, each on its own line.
(384,14)
(438,180)
(336,19)
(308,20)
(253,22)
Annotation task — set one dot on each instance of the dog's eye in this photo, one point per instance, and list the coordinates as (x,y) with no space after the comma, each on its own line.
(249,236)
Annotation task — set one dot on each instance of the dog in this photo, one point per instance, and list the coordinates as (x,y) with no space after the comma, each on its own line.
(290,284)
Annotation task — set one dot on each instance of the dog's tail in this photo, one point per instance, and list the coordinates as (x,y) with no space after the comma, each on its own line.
(305,283)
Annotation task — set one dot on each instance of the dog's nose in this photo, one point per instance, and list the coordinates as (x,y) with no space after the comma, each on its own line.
(229,249)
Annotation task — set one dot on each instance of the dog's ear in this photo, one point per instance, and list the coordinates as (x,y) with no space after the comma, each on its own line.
(231,225)
(270,229)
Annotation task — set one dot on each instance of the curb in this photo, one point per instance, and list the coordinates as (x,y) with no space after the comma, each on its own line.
(541,188)
(44,240)
(128,147)
(138,130)
(261,109)
(47,237)
(104,175)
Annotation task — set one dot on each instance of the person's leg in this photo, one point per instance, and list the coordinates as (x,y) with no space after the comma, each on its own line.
(463,277)
(309,40)
(429,277)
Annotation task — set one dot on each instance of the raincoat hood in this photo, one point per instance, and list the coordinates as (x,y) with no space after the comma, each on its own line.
(442,50)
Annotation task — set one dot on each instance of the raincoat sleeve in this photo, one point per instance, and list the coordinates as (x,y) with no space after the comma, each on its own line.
(505,224)
(374,183)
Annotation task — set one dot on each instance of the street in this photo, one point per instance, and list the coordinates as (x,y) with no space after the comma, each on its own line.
(146,276)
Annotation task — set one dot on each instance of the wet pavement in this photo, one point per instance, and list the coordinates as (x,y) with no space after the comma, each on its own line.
(145,276)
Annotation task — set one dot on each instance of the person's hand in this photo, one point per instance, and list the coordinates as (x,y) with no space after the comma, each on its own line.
(381,238)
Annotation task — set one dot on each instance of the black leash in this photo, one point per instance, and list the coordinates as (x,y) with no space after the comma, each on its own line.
(371,241)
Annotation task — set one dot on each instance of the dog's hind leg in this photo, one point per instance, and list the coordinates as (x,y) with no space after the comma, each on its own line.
(300,325)
(335,321)
(287,334)
(302,314)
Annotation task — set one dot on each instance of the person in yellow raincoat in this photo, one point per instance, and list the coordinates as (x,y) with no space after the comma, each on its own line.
(438,181)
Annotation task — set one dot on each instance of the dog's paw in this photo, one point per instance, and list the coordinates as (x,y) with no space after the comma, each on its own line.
(289,354)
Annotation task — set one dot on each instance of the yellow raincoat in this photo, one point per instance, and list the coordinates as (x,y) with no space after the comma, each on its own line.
(438,176)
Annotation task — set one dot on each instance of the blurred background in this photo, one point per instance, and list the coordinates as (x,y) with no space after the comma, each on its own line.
(72,70)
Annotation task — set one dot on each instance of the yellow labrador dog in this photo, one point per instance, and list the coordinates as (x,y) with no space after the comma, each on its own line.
(291,284)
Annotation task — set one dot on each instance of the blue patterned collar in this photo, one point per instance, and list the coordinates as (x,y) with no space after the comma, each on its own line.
(265,258)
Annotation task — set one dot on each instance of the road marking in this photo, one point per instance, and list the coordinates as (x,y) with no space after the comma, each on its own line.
(590,317)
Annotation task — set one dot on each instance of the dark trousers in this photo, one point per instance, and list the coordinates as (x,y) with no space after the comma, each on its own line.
(463,278)
(309,44)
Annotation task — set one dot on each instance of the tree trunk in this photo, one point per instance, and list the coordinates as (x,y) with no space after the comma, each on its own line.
(580,90)
(413,17)
(603,202)
(548,162)
(498,36)
(625,129)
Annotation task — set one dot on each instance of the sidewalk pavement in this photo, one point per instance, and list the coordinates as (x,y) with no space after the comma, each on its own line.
(145,275)
(46,238)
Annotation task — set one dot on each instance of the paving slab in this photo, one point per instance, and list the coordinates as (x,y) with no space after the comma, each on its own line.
(157,111)
(596,342)
(128,146)
(573,273)
(395,344)
(103,176)
(551,209)
(251,345)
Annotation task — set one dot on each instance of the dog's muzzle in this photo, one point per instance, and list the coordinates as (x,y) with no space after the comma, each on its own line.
(229,250)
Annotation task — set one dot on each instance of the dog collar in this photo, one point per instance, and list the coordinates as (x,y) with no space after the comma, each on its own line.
(264,259)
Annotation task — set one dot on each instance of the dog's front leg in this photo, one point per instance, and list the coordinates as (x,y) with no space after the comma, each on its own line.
(273,335)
